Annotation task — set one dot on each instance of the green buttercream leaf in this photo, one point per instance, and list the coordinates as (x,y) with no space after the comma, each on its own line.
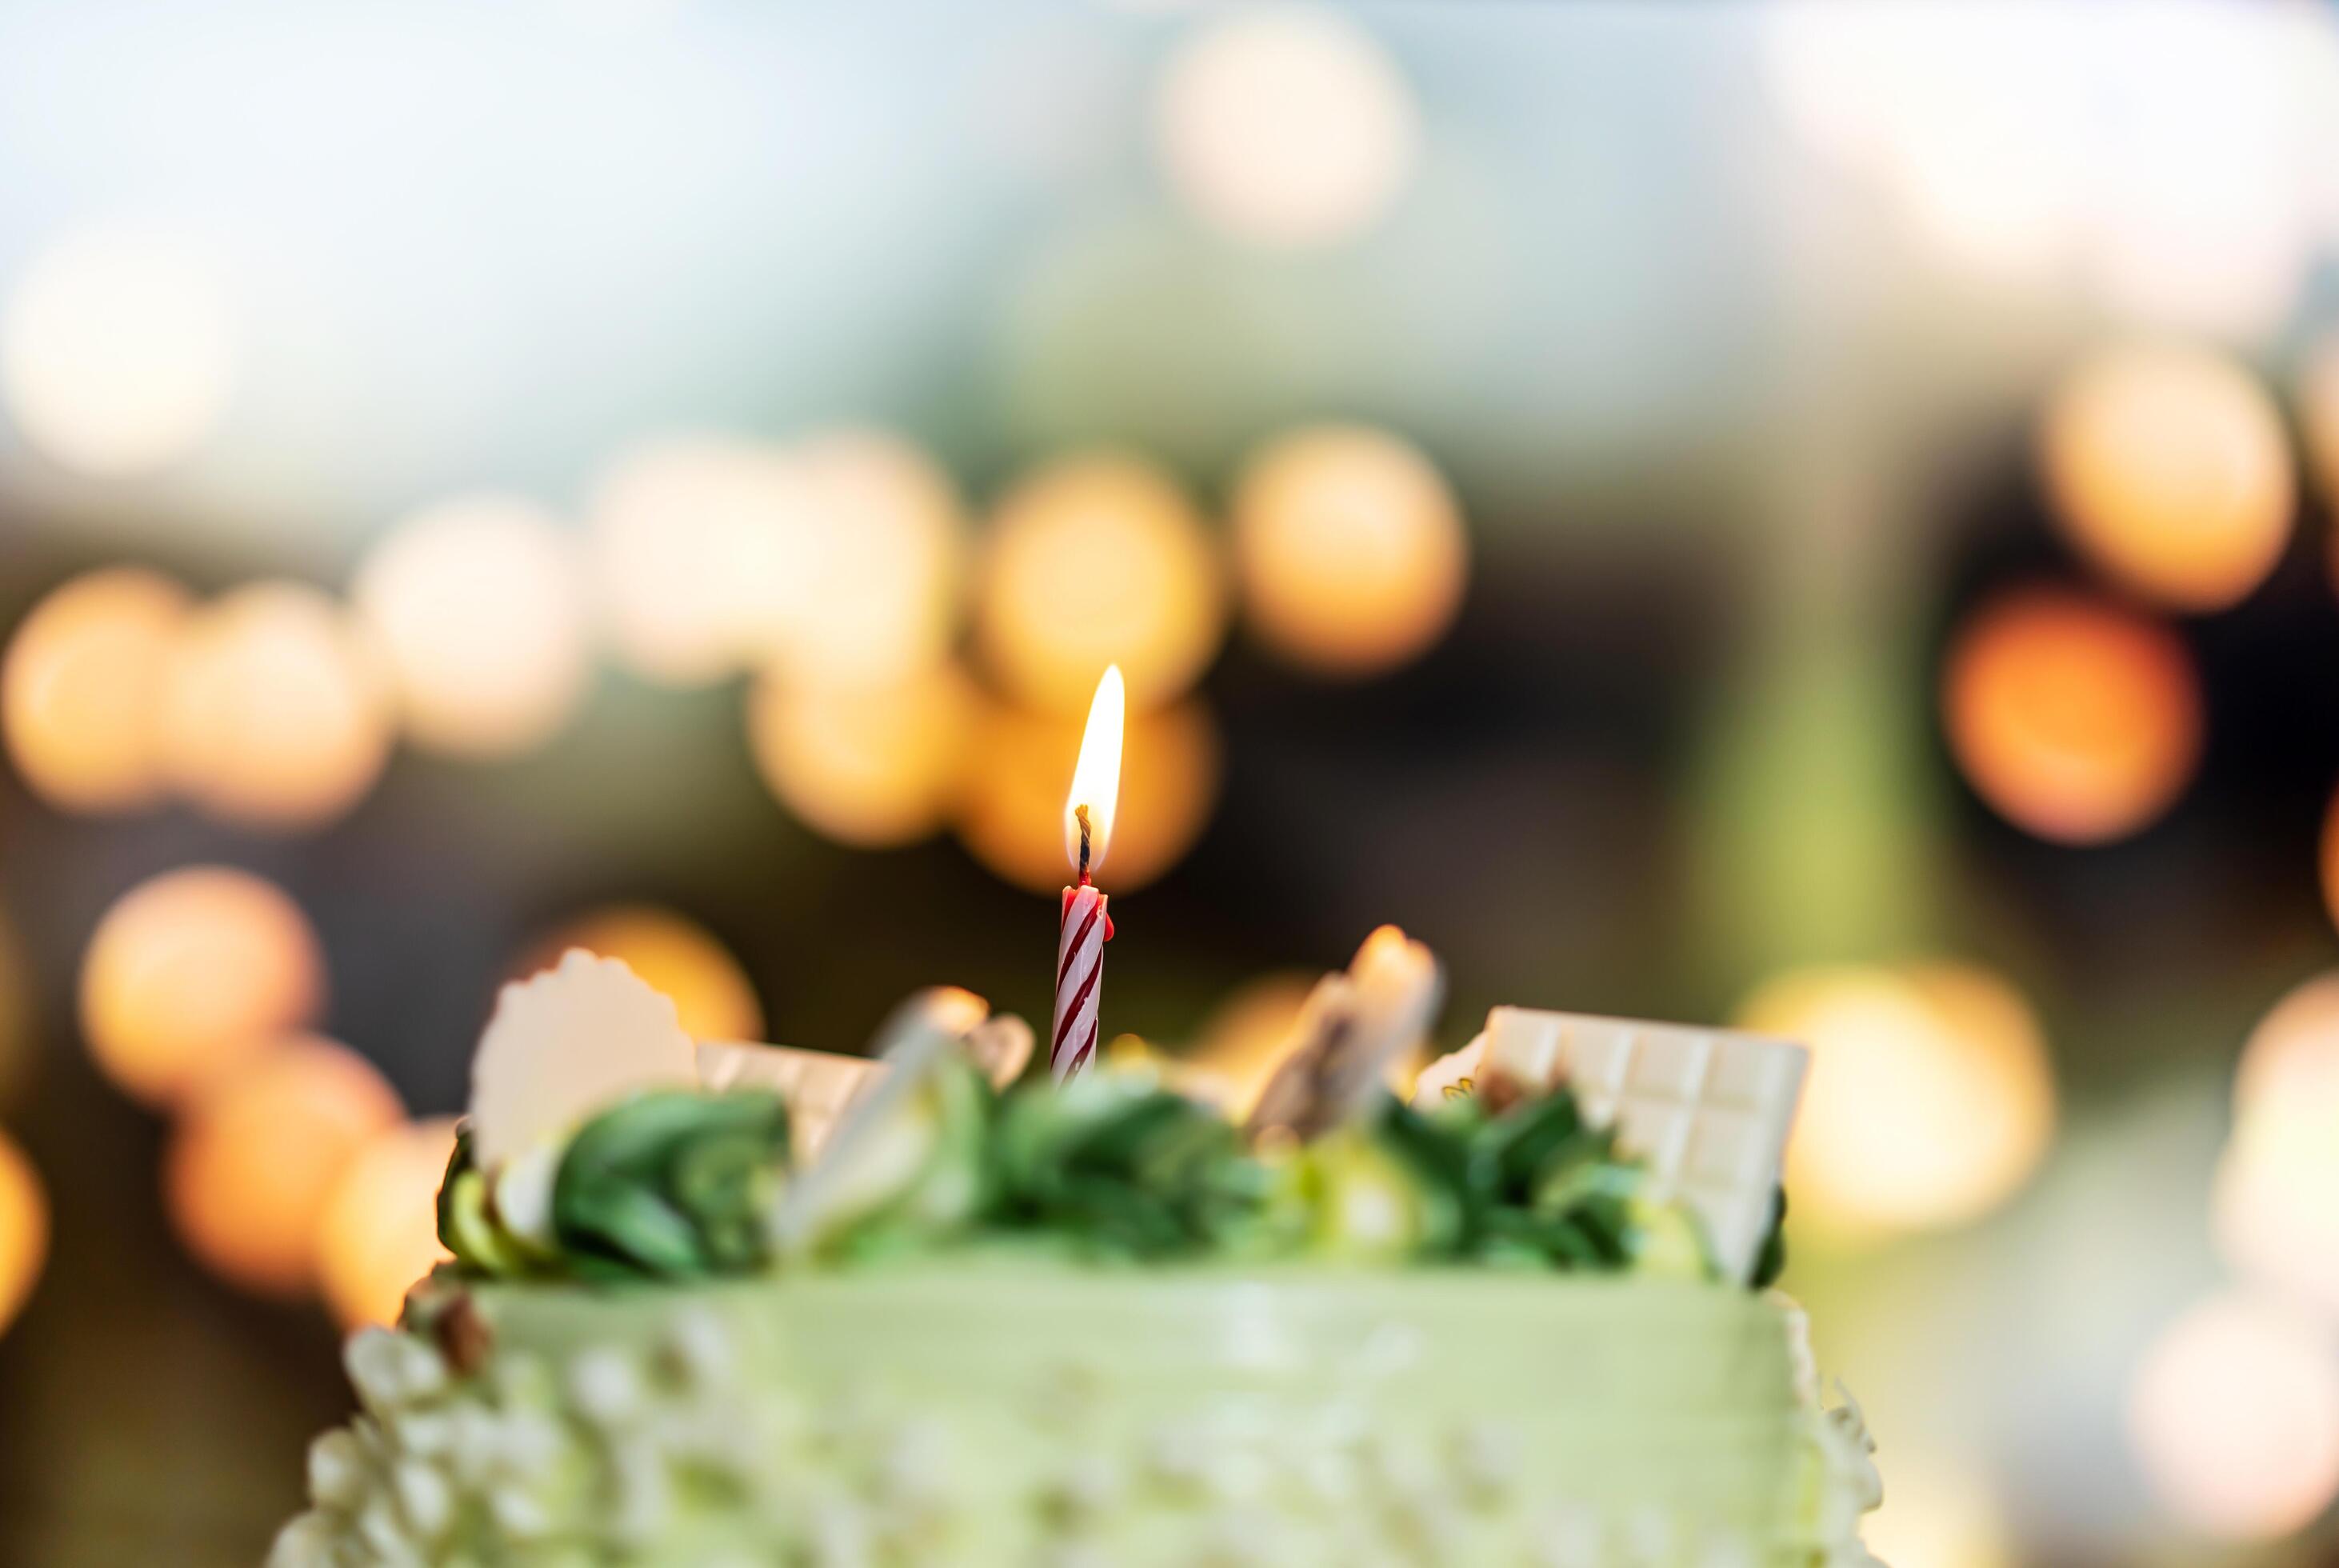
(1124,1166)
(673,1183)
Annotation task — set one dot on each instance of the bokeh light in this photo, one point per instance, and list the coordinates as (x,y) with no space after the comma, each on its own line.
(81,691)
(1241,1043)
(24,1230)
(865,765)
(2027,142)
(1349,548)
(1938,1514)
(1287,126)
(379,1232)
(882,578)
(2233,1417)
(480,606)
(1930,1098)
(697,550)
(2169,468)
(276,714)
(193,973)
(2077,721)
(2318,419)
(1010,812)
(254,1157)
(1096,560)
(2292,1057)
(1877,89)
(2207,225)
(2328,858)
(118,350)
(2274,1204)
(2274,1209)
(672,954)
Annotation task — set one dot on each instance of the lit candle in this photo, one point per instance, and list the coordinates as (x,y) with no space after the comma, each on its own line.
(1086,926)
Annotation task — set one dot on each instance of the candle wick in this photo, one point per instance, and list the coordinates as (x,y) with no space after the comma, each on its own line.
(1081,814)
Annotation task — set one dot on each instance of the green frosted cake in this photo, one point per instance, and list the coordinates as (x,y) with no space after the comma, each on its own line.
(749,1305)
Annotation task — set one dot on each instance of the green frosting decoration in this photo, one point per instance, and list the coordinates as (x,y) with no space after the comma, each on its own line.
(464,1223)
(678,1184)
(671,1184)
(1534,1186)
(904,1171)
(1122,1167)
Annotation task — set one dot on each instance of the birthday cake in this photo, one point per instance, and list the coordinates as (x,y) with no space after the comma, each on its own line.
(734,1305)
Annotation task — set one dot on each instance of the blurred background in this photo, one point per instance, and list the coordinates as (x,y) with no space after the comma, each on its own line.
(1810,515)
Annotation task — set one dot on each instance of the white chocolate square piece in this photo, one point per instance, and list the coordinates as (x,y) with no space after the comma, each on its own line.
(1709,1109)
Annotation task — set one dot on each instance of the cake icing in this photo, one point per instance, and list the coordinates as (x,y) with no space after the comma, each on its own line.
(1015,1415)
(1098,1324)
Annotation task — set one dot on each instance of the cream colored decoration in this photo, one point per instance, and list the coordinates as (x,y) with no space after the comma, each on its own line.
(818,1085)
(1354,1028)
(565,1044)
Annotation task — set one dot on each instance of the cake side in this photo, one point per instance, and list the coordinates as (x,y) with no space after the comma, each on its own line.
(999,1411)
(995,1319)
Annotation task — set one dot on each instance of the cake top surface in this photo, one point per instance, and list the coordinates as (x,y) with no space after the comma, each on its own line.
(602,1146)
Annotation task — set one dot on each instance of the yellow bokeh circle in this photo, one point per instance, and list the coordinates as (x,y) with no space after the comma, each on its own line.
(2233,1416)
(1930,1098)
(2077,720)
(276,713)
(480,606)
(695,549)
(1349,548)
(1096,560)
(881,561)
(118,349)
(193,973)
(81,692)
(865,765)
(2274,1207)
(377,1233)
(2318,414)
(24,1230)
(1287,126)
(2292,1057)
(2169,468)
(253,1158)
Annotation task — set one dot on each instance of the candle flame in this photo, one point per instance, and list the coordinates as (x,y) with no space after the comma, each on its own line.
(1096,780)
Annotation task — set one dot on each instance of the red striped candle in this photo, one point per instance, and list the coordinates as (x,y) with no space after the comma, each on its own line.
(1085,925)
(1079,979)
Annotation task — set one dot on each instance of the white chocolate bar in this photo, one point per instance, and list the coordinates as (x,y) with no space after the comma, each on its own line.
(818,1085)
(1709,1109)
